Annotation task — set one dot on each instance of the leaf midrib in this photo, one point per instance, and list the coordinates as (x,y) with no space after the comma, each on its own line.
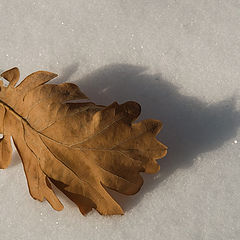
(72,146)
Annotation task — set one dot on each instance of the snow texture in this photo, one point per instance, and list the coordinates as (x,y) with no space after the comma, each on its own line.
(180,59)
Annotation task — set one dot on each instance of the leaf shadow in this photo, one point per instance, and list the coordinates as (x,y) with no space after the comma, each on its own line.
(66,73)
(191,126)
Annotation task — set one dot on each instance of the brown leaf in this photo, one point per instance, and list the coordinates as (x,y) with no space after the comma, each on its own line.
(81,147)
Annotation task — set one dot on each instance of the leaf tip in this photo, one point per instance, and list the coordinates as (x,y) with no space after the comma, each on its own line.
(12,75)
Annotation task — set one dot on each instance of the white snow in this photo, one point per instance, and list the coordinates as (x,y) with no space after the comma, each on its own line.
(180,59)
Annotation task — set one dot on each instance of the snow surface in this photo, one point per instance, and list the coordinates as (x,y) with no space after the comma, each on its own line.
(180,59)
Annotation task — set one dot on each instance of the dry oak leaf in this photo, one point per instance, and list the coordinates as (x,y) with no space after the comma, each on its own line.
(80,147)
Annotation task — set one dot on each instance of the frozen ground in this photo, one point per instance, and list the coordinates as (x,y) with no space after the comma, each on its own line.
(181,60)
